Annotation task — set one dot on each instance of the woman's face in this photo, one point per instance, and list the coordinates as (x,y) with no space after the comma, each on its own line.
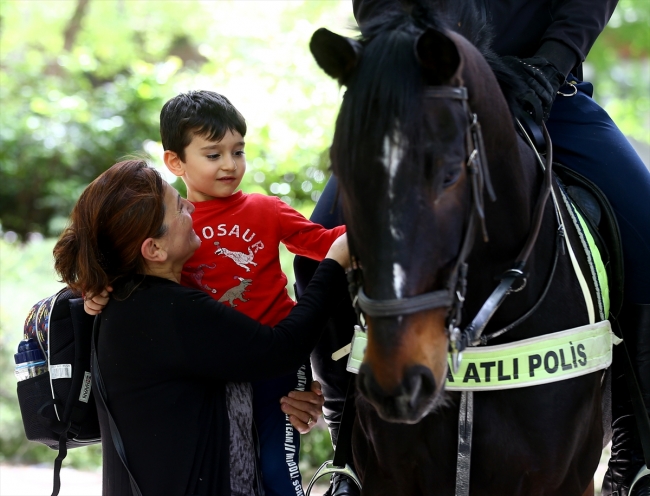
(180,241)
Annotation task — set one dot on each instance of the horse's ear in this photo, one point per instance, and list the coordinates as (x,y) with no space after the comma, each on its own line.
(438,55)
(335,54)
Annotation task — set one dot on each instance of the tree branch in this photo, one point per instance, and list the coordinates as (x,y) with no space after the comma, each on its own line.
(74,25)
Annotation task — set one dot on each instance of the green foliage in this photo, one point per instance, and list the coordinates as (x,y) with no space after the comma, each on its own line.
(315,448)
(619,67)
(82,84)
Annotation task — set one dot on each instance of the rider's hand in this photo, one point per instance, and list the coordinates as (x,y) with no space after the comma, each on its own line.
(304,407)
(94,304)
(541,78)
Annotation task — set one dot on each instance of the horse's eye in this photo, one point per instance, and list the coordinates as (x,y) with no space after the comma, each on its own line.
(451,176)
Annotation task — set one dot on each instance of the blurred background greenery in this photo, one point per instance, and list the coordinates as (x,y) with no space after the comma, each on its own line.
(81,86)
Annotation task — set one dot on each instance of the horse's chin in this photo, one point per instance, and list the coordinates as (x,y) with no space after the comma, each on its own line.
(390,412)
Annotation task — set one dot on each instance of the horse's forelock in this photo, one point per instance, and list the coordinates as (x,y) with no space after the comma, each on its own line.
(383,96)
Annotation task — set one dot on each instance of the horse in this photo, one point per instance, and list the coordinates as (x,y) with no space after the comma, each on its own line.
(438,213)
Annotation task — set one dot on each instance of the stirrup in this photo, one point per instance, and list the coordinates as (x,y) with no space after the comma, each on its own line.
(644,472)
(328,468)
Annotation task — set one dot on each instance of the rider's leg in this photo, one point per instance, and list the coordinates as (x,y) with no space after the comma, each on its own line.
(338,332)
(627,453)
(587,140)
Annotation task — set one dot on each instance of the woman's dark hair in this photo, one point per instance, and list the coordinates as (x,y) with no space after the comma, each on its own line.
(114,215)
(198,113)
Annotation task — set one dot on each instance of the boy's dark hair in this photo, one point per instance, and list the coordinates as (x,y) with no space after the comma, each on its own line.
(197,113)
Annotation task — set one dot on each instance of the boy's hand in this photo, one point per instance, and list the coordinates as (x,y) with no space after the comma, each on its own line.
(93,305)
(304,407)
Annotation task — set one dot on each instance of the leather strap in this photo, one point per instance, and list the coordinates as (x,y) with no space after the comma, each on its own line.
(465,425)
(99,387)
(343,451)
(403,306)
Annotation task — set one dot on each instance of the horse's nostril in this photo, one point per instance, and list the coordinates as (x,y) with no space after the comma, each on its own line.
(408,402)
(415,383)
(418,383)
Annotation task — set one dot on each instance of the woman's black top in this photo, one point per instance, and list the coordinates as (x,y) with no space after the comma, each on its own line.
(165,354)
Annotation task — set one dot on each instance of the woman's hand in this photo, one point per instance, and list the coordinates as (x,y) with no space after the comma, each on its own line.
(340,252)
(94,304)
(304,408)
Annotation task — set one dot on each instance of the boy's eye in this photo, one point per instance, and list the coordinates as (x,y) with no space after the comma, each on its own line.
(213,156)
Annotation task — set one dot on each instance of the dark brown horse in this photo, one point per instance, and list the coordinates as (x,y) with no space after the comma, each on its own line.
(413,172)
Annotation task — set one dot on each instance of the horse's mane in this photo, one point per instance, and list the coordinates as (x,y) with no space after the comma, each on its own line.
(396,92)
(459,16)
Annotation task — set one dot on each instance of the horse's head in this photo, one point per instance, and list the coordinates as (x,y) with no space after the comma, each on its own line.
(400,152)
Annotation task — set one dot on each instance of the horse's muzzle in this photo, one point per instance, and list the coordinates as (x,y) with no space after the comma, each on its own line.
(411,400)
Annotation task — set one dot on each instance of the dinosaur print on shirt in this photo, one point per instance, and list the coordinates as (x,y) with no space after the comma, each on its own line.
(241,259)
(236,292)
(240,236)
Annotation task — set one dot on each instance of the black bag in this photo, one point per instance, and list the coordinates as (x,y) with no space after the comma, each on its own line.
(58,407)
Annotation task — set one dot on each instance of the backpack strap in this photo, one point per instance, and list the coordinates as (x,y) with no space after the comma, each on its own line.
(58,461)
(115,434)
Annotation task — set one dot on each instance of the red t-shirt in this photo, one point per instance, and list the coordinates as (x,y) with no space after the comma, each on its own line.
(238,262)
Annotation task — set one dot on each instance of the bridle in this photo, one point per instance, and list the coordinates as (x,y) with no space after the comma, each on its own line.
(453,296)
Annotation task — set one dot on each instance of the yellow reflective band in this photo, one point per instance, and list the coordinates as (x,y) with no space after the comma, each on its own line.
(530,362)
(601,273)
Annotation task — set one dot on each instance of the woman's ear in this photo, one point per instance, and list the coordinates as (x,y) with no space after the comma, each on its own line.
(174,163)
(152,251)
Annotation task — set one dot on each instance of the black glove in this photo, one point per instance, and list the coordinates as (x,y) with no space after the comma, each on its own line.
(542,79)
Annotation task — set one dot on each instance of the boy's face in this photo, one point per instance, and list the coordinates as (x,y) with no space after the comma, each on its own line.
(213,169)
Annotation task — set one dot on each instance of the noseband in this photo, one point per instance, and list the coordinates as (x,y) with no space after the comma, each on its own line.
(453,295)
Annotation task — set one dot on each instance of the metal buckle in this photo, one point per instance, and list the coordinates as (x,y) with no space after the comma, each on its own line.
(573,86)
(456,353)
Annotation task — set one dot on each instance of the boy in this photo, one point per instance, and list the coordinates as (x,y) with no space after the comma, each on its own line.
(238,261)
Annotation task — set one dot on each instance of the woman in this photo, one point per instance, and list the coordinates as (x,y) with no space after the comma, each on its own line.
(171,357)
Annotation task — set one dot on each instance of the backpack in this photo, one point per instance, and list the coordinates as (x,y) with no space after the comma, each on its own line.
(58,407)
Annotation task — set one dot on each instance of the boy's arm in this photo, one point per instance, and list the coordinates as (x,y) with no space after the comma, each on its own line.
(302,236)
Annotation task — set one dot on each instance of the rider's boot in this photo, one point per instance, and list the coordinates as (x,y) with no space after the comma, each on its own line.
(340,485)
(627,455)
